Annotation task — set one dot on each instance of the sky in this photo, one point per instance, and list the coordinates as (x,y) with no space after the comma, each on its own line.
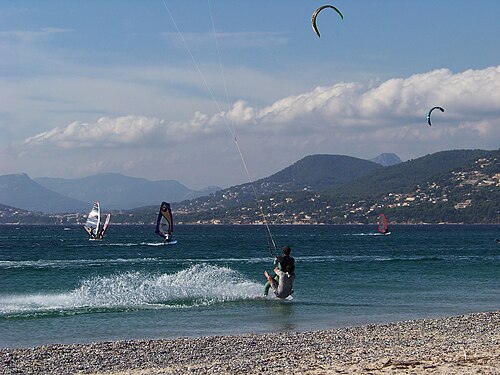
(174,90)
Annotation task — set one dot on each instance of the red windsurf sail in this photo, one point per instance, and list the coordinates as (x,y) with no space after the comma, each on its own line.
(105,226)
(383,227)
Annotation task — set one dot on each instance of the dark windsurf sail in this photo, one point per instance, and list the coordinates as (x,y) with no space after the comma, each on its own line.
(383,226)
(165,222)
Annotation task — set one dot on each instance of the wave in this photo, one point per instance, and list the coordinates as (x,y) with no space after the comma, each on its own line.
(198,285)
(70,263)
(82,263)
(399,258)
(361,259)
(351,258)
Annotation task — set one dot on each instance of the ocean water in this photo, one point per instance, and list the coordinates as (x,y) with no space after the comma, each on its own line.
(58,287)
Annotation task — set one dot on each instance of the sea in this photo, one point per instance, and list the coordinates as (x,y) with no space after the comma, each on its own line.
(56,286)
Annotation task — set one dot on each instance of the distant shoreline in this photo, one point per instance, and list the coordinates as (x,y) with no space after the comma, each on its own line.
(252,225)
(466,344)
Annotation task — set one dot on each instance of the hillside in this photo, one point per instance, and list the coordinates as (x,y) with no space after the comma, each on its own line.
(406,176)
(317,173)
(453,186)
(313,173)
(12,215)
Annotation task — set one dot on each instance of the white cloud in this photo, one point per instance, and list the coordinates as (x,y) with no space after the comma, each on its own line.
(106,132)
(354,110)
(395,102)
(357,119)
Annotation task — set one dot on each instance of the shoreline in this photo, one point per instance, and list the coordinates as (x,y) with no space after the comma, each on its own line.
(79,225)
(465,344)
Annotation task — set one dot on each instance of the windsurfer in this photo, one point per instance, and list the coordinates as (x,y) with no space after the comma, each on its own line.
(165,223)
(383,226)
(93,221)
(284,286)
(281,262)
(90,230)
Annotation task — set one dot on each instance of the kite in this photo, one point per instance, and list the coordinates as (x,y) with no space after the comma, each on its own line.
(429,114)
(315,14)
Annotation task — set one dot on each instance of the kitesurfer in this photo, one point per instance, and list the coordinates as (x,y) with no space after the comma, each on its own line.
(281,262)
(284,286)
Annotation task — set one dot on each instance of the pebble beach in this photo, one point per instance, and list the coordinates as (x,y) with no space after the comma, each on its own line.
(467,344)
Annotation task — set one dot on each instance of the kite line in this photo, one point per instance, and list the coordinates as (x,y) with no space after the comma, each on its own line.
(269,237)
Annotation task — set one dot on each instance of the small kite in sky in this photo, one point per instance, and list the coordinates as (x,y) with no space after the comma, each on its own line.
(316,12)
(429,114)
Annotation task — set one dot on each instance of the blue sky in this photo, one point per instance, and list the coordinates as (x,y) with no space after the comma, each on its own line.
(110,86)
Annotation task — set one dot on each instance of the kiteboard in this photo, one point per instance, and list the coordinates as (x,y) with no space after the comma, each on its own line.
(170,242)
(272,297)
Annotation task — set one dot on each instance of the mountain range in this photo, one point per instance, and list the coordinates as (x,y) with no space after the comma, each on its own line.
(114,191)
(449,186)
(20,191)
(118,192)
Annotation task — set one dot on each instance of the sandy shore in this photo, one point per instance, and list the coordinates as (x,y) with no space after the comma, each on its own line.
(468,344)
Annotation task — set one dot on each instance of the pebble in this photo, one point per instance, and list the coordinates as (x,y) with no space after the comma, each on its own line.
(467,344)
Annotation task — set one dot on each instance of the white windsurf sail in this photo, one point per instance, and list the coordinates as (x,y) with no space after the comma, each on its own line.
(93,220)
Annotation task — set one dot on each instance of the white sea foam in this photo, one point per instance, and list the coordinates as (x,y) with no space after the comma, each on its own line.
(194,286)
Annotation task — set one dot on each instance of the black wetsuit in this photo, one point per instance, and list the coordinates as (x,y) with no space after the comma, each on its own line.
(283,261)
